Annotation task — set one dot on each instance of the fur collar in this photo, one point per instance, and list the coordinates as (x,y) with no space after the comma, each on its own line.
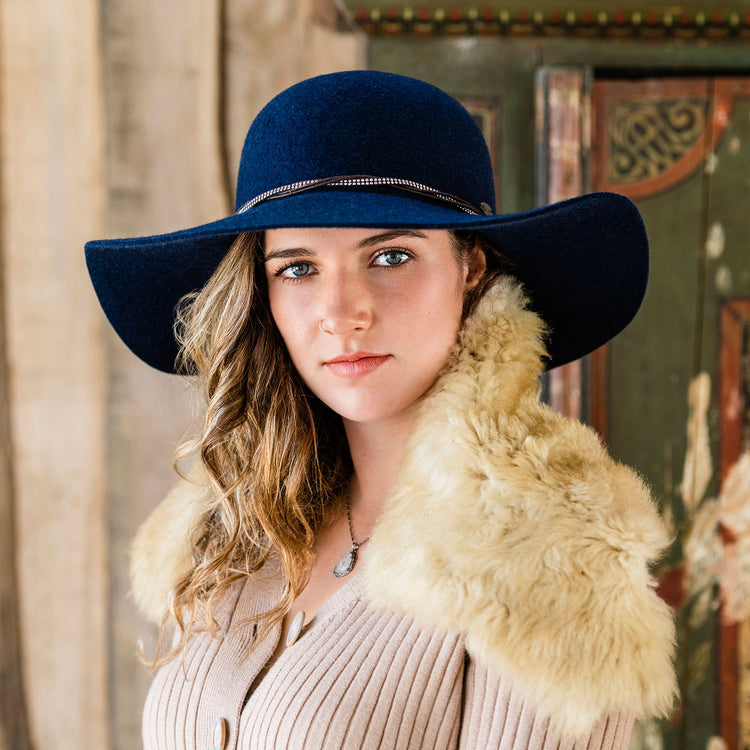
(511,524)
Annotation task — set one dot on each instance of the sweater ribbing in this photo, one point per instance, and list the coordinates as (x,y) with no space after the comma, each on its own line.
(358,678)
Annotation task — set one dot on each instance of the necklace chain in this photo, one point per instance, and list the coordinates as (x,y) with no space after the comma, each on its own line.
(355,545)
(346,564)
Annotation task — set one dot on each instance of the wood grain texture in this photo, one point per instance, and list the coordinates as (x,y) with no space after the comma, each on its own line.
(14,730)
(164,172)
(51,185)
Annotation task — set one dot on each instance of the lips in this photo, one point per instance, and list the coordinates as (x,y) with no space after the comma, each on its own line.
(355,364)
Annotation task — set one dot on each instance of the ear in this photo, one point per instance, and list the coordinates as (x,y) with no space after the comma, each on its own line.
(476,265)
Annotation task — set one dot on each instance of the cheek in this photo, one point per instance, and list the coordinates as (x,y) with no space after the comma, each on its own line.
(278,314)
(443,305)
(288,321)
(431,321)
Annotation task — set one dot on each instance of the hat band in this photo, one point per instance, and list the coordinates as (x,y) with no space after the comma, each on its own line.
(397,183)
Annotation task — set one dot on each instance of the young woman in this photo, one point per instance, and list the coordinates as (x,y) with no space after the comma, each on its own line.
(387,541)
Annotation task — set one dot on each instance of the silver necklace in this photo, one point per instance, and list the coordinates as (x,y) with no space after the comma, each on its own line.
(346,564)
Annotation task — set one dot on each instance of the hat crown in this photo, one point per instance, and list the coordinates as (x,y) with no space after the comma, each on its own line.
(366,123)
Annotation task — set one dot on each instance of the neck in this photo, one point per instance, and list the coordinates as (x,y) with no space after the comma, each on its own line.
(376,450)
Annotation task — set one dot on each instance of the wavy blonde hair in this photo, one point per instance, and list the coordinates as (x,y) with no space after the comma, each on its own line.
(277,458)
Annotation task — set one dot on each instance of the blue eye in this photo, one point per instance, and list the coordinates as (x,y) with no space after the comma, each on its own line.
(295,270)
(391,258)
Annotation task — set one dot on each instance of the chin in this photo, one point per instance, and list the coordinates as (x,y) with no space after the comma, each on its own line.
(363,416)
(372,413)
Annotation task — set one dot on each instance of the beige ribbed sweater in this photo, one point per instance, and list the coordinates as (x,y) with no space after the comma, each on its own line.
(357,678)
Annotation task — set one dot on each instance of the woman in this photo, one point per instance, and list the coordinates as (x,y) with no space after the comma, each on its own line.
(387,540)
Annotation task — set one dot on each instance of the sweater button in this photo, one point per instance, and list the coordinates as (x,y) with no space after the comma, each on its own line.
(219,734)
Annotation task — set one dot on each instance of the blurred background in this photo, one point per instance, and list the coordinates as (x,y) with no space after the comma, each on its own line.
(127,117)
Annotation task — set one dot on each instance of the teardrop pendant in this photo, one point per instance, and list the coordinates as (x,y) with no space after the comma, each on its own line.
(346,564)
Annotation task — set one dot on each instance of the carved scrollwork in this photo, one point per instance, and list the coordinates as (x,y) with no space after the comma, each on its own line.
(647,137)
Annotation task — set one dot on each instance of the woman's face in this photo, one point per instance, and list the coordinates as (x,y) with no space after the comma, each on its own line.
(368,316)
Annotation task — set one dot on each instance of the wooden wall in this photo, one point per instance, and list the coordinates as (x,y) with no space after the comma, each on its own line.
(117,117)
(52,173)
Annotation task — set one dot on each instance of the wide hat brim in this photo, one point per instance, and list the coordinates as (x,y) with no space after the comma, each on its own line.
(583,262)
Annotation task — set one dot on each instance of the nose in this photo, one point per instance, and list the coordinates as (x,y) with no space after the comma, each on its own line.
(346,306)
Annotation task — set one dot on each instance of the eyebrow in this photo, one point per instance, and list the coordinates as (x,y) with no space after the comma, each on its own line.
(375,239)
(288,252)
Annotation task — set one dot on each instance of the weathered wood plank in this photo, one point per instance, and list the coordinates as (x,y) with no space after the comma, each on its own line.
(161,84)
(14,730)
(51,176)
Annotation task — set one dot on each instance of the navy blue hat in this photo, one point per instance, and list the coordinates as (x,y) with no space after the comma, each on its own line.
(370,149)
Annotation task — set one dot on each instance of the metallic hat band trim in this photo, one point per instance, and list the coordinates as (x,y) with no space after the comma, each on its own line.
(357,181)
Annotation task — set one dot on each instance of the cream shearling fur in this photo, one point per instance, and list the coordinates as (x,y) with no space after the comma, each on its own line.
(512,524)
(509,523)
(160,554)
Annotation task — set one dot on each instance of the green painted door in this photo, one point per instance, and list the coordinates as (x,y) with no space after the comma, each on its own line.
(679,145)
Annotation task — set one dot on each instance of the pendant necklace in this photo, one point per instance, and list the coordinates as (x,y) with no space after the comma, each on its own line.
(346,564)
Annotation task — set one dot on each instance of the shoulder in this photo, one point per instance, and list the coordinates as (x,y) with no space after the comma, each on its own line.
(513,525)
(538,549)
